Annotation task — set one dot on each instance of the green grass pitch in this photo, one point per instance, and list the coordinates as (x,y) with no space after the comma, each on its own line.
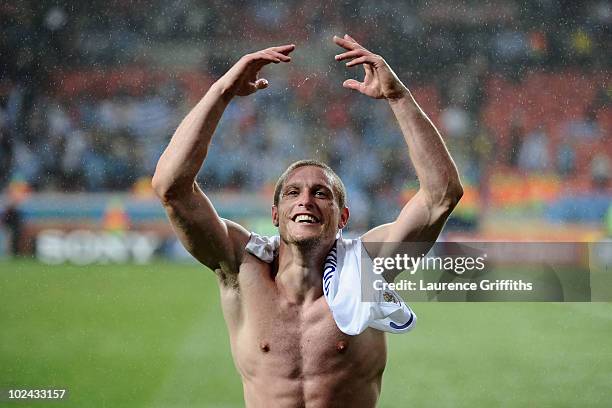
(153,336)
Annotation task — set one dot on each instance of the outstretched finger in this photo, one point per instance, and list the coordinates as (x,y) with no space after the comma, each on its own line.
(262,58)
(366,59)
(368,69)
(348,37)
(283,49)
(344,43)
(350,54)
(278,55)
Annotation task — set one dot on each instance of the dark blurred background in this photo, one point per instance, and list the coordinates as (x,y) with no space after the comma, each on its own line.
(91,92)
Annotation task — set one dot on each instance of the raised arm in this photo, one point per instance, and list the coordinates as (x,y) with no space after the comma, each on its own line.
(423,217)
(215,242)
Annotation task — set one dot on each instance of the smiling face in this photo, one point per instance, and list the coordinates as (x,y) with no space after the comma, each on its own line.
(307,213)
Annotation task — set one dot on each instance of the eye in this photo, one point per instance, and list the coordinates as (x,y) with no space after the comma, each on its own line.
(291,193)
(321,193)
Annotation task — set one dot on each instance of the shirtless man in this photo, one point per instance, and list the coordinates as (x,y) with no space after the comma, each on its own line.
(284,340)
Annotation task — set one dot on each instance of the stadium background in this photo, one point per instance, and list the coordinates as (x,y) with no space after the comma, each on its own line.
(104,302)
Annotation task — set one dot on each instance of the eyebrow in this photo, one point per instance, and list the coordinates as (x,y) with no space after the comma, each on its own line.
(290,186)
(323,186)
(314,187)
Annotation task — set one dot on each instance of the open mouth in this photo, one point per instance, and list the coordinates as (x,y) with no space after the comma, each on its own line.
(305,219)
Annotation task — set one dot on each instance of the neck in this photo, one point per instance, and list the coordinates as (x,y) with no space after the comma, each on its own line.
(300,271)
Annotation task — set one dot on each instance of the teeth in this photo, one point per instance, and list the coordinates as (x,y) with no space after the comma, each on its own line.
(305,218)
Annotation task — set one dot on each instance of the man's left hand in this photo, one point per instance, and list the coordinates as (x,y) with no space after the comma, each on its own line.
(380,81)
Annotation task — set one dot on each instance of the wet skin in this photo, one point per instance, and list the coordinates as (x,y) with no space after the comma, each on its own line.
(292,354)
(285,343)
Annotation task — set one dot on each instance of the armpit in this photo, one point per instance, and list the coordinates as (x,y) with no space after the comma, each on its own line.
(228,279)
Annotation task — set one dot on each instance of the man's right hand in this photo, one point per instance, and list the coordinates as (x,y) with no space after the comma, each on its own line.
(242,79)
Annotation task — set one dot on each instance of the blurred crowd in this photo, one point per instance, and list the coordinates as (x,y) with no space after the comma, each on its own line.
(90,93)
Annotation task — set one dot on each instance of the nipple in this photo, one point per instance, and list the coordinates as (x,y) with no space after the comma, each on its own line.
(264,346)
(341,346)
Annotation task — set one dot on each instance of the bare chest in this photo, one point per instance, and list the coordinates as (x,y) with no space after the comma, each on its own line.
(273,337)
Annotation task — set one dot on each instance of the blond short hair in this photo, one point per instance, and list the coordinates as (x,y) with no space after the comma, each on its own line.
(337,184)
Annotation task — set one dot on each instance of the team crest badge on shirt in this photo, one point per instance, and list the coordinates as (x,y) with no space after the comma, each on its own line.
(390,297)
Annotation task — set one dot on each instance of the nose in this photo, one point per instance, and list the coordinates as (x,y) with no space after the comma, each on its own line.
(305,199)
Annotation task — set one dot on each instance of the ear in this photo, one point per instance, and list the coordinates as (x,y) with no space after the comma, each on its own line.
(344,217)
(275,216)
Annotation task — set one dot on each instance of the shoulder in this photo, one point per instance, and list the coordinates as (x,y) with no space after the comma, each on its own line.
(253,254)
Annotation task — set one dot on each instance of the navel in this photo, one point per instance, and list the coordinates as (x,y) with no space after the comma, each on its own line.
(341,346)
(264,346)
